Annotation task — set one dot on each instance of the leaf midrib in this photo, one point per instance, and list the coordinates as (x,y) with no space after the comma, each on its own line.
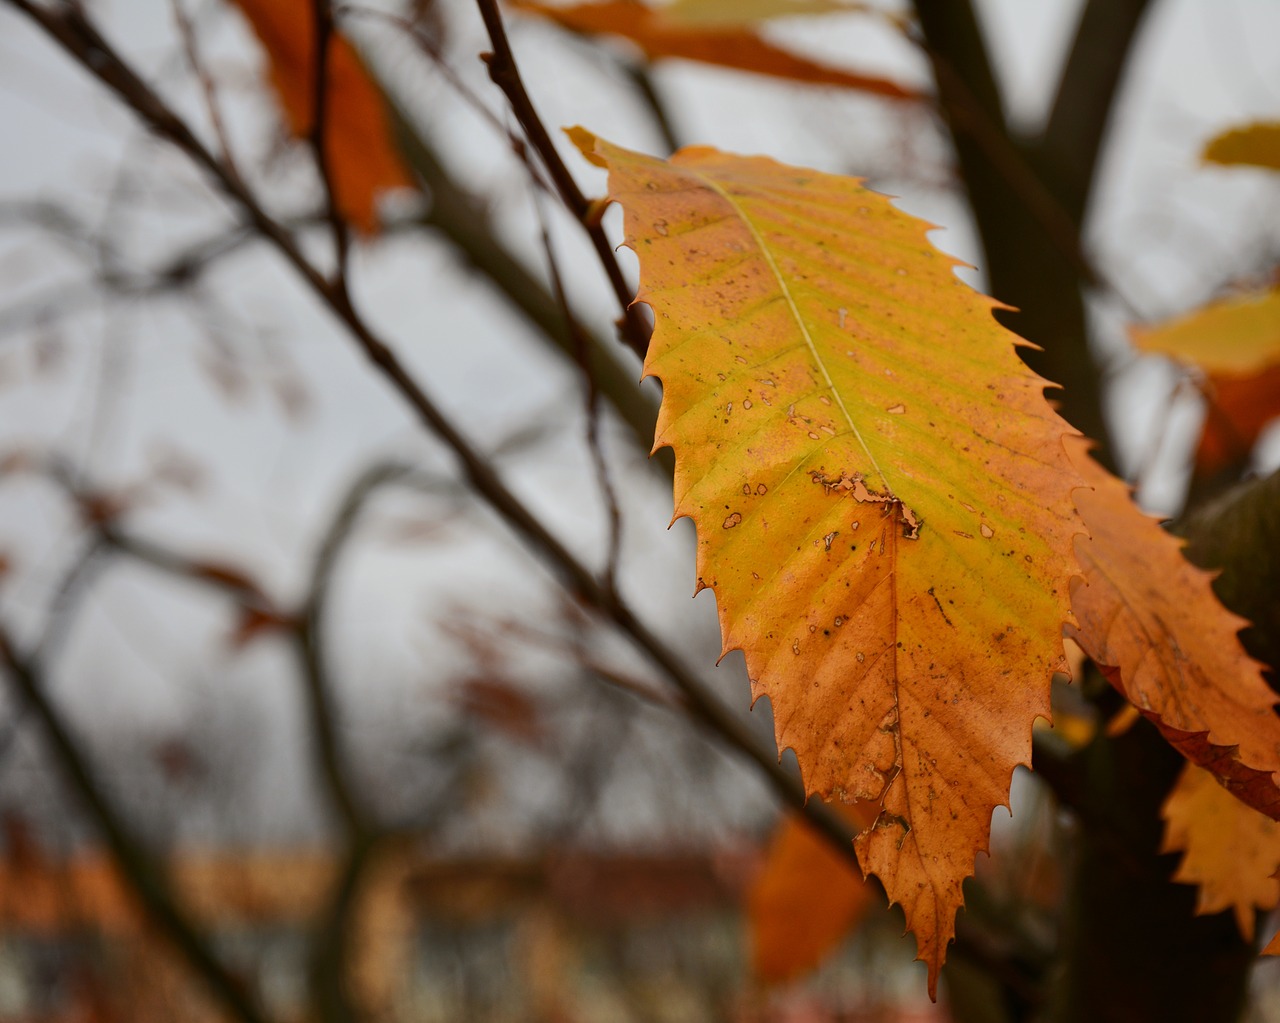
(763,247)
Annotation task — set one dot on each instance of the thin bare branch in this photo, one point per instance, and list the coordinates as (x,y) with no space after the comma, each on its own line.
(145,874)
(208,87)
(322,21)
(506,76)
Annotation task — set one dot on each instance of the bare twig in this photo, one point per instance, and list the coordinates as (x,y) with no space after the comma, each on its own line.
(506,76)
(310,641)
(208,88)
(323,38)
(582,351)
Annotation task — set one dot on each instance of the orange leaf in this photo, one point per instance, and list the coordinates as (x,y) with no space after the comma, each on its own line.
(706,13)
(1230,850)
(1240,408)
(1255,144)
(362,158)
(1151,620)
(880,490)
(735,46)
(1235,342)
(805,900)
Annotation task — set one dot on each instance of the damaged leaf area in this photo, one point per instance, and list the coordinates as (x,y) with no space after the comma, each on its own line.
(881,494)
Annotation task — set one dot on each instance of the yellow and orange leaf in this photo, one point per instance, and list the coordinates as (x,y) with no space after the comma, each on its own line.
(1236,337)
(706,13)
(1150,619)
(1235,342)
(805,900)
(359,147)
(881,494)
(1230,851)
(725,46)
(1255,145)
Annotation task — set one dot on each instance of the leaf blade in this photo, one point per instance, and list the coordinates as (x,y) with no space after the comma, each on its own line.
(848,490)
(1151,620)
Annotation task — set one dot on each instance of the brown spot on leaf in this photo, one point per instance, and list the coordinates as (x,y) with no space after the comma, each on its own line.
(732,520)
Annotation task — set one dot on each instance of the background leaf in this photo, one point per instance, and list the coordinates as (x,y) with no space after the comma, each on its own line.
(1151,620)
(1235,342)
(805,900)
(1256,145)
(880,489)
(735,47)
(720,13)
(363,161)
(1230,851)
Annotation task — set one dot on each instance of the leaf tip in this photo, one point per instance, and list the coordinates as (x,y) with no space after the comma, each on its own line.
(586,143)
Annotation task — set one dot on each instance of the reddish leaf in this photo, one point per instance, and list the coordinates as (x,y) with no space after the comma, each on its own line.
(359,149)
(256,622)
(504,707)
(735,47)
(805,900)
(1239,409)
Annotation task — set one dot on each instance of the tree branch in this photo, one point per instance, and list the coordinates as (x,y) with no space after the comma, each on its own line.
(1071,144)
(506,76)
(145,875)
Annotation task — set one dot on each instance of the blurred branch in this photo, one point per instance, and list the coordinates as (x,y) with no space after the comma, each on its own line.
(322,22)
(1034,260)
(208,88)
(595,443)
(641,76)
(309,636)
(461,218)
(1071,143)
(330,951)
(145,875)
